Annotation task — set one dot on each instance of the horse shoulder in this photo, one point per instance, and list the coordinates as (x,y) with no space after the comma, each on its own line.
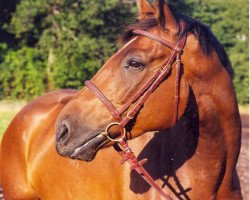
(16,146)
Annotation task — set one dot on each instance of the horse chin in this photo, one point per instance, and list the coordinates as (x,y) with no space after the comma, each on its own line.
(88,150)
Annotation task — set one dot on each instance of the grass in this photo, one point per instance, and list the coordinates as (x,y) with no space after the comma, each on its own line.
(8,109)
(244,109)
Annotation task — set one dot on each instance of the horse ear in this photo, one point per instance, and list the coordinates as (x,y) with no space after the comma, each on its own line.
(144,8)
(165,17)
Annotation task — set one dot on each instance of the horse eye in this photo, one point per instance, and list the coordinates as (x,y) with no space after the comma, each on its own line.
(135,64)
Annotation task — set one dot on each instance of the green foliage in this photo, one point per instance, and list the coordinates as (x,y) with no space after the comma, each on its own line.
(75,37)
(60,43)
(22,73)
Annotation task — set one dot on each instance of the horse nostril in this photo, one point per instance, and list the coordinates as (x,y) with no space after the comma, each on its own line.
(64,133)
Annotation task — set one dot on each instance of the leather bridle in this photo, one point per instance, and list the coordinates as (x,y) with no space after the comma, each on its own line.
(140,97)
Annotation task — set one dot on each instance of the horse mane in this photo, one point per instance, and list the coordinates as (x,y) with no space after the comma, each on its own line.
(207,39)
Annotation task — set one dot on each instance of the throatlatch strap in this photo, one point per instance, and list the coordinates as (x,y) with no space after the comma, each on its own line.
(128,156)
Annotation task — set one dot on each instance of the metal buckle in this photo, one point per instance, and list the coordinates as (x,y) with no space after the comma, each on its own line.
(106,133)
(158,69)
(129,115)
(169,67)
(127,149)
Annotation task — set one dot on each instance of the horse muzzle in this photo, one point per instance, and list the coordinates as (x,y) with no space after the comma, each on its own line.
(83,146)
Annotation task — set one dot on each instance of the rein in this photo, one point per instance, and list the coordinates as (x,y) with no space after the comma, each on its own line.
(141,96)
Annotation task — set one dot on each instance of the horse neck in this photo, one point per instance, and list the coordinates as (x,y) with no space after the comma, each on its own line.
(164,147)
(216,105)
(203,117)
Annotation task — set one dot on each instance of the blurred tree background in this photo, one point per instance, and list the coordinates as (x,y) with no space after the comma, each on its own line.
(50,44)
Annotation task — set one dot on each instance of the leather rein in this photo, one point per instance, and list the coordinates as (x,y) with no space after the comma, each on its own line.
(140,97)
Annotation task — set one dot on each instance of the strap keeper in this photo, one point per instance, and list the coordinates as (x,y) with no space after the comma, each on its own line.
(143,161)
(138,164)
(179,50)
(123,161)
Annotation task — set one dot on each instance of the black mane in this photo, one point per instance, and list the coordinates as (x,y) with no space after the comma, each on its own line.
(207,40)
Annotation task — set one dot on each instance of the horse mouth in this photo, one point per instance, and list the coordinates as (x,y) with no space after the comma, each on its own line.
(88,149)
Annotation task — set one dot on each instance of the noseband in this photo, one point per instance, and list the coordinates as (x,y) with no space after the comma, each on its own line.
(141,96)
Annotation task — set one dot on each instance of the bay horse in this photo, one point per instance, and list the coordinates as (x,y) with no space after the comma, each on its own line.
(193,157)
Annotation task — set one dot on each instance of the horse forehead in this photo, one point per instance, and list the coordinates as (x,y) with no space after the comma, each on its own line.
(136,43)
(128,44)
(142,42)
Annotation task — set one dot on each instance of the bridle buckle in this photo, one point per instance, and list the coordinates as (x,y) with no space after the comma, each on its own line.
(158,69)
(129,115)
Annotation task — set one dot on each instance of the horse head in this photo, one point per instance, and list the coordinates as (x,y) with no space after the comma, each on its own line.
(85,117)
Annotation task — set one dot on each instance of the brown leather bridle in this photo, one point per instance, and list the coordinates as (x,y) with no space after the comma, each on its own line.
(141,96)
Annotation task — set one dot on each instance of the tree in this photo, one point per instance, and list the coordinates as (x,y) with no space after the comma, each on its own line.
(18,77)
(73,37)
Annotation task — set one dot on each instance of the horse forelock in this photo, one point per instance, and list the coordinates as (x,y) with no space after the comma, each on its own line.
(207,40)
